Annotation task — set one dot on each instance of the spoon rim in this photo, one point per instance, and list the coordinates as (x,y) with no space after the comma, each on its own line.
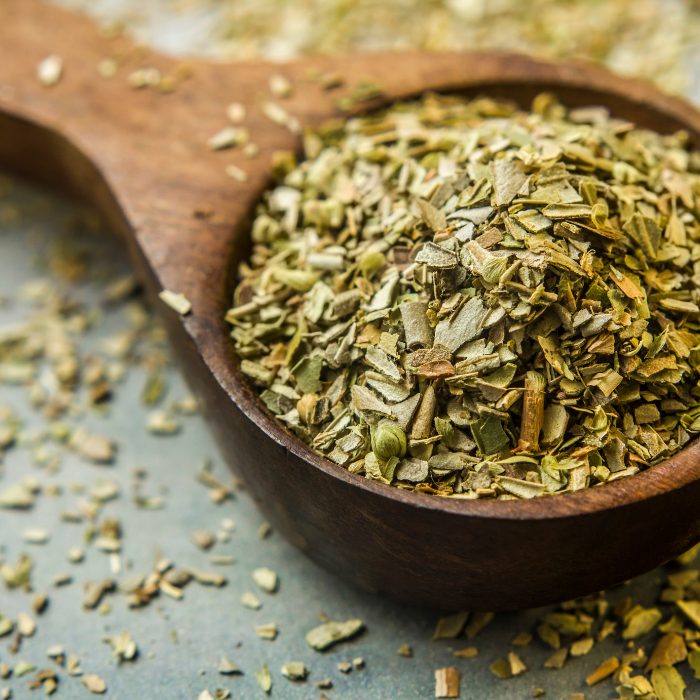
(677,471)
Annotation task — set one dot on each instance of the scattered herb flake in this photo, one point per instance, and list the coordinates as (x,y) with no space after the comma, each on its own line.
(447,683)
(176,301)
(330,633)
(264,678)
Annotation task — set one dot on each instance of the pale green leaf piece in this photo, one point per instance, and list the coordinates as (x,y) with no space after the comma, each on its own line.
(308,373)
(295,671)
(176,301)
(567,624)
(506,178)
(557,659)
(21,668)
(299,280)
(17,495)
(434,218)
(641,622)
(691,608)
(437,257)
(6,626)
(689,556)
(493,268)
(266,580)
(501,668)
(478,621)
(226,668)
(503,376)
(364,400)
(667,682)
(264,678)
(533,221)
(268,631)
(18,574)
(451,627)
(489,435)
(250,600)
(330,633)
(520,487)
(645,233)
(694,661)
(566,211)
(465,326)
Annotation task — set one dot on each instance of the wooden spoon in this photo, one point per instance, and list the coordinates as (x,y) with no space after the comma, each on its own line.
(141,157)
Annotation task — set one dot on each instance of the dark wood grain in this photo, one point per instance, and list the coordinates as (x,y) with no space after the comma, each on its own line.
(141,158)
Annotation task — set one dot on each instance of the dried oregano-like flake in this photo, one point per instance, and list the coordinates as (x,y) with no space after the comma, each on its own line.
(451,627)
(264,678)
(176,301)
(295,671)
(266,580)
(330,633)
(469,300)
(668,683)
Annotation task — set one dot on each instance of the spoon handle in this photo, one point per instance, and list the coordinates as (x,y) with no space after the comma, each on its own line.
(139,155)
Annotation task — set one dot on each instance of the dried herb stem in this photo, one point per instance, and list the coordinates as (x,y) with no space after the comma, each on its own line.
(533,412)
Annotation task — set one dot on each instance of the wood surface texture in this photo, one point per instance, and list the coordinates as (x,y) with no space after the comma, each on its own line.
(141,157)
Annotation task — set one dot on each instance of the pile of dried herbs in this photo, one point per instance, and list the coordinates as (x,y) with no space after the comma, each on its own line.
(465,299)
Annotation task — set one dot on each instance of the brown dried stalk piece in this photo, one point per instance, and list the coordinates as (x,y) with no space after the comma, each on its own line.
(533,412)
(607,668)
(447,683)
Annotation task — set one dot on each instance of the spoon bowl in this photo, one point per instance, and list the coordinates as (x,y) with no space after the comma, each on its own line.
(141,158)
